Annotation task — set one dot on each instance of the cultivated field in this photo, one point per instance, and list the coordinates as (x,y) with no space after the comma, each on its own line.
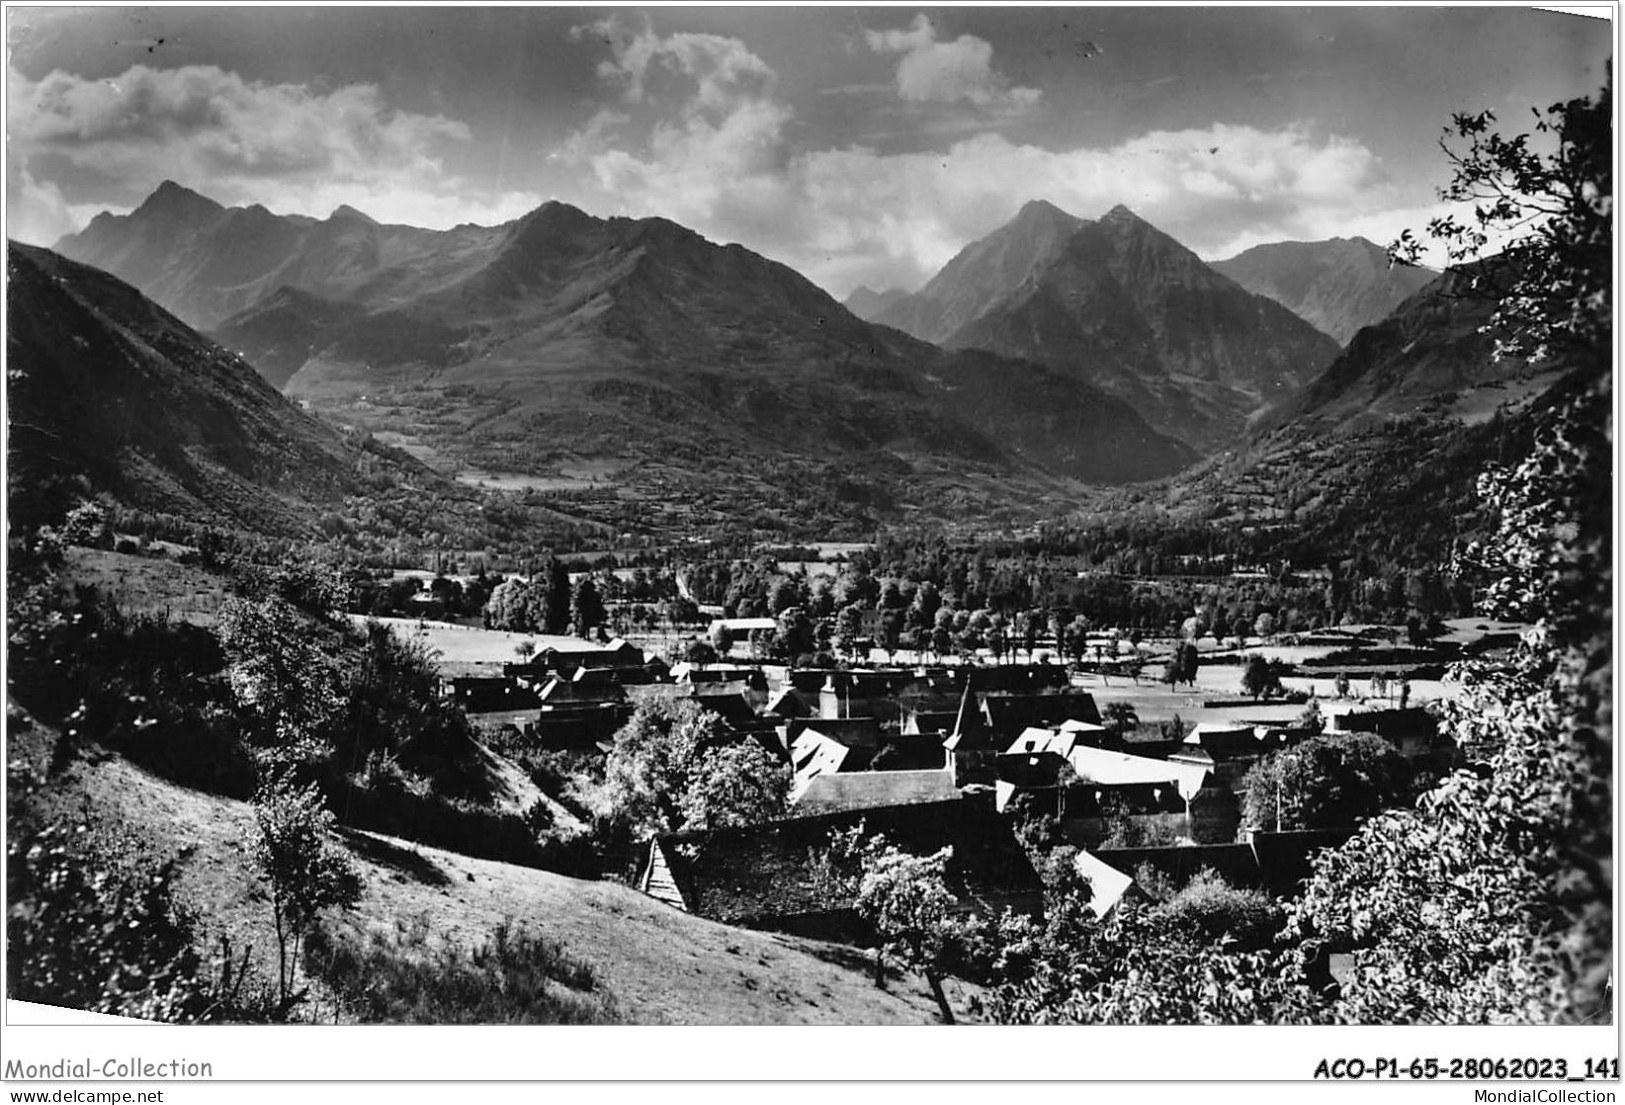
(518,481)
(464,644)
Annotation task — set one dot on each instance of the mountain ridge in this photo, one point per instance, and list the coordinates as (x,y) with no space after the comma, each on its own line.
(1122,305)
(562,334)
(869,304)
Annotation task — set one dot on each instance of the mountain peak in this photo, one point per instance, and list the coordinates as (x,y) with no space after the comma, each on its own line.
(172,197)
(550,219)
(561,211)
(1121,213)
(345,212)
(1042,208)
(170,188)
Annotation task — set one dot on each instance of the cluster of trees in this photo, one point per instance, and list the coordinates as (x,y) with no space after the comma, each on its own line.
(1155,959)
(922,594)
(1183,665)
(644,585)
(673,766)
(388,595)
(312,694)
(268,695)
(1261,678)
(1103,567)
(546,603)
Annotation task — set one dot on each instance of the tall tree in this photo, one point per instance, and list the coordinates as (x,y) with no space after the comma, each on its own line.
(1190,662)
(794,636)
(1121,718)
(848,627)
(586,607)
(906,900)
(556,609)
(284,677)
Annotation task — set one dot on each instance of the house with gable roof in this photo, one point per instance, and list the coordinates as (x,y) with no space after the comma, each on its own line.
(771,876)
(972,744)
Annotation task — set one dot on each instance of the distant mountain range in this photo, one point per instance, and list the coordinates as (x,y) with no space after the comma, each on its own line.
(205,262)
(110,393)
(560,334)
(1338,286)
(1030,357)
(867,303)
(1121,305)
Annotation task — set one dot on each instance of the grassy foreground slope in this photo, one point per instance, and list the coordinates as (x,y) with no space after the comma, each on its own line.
(659,965)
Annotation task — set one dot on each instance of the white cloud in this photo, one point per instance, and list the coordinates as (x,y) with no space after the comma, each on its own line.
(36,211)
(724,69)
(287,145)
(947,72)
(855,215)
(720,149)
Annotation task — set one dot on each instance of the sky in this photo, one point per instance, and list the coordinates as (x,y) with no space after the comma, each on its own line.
(860,145)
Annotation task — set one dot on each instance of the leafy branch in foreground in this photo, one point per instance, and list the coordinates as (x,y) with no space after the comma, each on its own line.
(1553,284)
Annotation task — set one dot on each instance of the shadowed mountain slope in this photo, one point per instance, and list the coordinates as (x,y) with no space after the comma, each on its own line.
(1379,456)
(1428,355)
(109,392)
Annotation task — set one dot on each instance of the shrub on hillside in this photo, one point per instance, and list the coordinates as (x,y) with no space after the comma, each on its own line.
(145,686)
(391,706)
(86,933)
(93,924)
(308,874)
